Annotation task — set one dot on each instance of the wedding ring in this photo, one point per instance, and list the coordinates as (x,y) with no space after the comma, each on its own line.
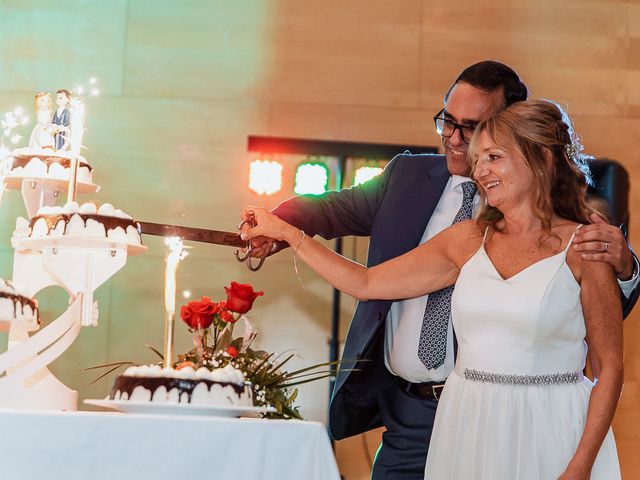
(606,246)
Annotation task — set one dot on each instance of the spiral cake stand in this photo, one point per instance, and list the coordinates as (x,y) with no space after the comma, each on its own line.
(79,265)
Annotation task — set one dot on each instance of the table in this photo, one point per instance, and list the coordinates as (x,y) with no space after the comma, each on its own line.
(116,446)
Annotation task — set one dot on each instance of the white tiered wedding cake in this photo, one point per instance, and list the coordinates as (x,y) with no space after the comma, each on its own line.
(74,246)
(77,246)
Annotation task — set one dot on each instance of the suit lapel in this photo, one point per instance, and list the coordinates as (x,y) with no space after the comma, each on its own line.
(428,190)
(408,223)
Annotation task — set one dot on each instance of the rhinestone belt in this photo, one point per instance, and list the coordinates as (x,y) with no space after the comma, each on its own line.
(546,379)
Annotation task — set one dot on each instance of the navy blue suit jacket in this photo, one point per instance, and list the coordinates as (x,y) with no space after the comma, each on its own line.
(393,209)
(65,120)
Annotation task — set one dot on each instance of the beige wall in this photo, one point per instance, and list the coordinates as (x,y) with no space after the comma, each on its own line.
(184,83)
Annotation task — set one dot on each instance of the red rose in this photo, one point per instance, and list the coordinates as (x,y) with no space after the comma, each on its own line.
(240,297)
(228,317)
(233,351)
(199,314)
(205,306)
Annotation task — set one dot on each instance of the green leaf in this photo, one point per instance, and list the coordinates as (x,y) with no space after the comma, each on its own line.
(224,339)
(317,365)
(113,369)
(293,396)
(301,382)
(154,350)
(279,365)
(104,365)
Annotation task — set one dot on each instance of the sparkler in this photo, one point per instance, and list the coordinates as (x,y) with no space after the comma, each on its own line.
(175,255)
(77,131)
(10,121)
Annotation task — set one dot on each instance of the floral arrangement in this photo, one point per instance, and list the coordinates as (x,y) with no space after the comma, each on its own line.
(212,324)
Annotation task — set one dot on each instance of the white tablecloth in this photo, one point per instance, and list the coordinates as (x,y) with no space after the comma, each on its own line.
(114,446)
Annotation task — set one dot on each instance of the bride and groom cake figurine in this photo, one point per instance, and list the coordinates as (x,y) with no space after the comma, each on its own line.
(52,130)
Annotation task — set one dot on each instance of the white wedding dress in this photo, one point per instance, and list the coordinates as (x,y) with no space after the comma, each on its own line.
(516,404)
(41,136)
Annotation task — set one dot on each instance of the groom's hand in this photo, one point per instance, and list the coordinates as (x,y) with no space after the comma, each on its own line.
(262,247)
(602,242)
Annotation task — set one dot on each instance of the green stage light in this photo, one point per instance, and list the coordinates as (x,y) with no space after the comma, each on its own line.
(364,174)
(265,177)
(311,178)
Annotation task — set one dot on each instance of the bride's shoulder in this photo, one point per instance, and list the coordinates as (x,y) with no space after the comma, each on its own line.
(464,240)
(465,235)
(566,229)
(471,228)
(566,232)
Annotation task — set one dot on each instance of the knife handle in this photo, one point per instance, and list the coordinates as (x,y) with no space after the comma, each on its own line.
(247,258)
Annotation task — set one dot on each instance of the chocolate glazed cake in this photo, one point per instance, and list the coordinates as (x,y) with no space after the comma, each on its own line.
(124,384)
(23,161)
(19,303)
(225,387)
(109,222)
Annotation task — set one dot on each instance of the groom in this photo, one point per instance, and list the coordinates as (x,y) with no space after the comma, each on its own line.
(62,119)
(416,197)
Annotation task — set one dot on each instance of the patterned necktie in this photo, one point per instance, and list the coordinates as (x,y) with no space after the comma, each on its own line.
(432,348)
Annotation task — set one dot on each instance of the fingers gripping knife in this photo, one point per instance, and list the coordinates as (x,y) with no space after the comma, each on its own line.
(216,237)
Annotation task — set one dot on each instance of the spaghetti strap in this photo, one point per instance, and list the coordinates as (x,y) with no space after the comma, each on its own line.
(566,249)
(486,231)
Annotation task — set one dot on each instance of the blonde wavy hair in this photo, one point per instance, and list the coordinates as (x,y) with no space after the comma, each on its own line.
(37,98)
(543,133)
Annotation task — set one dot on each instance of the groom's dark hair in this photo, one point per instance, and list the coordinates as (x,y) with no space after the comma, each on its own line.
(66,92)
(490,76)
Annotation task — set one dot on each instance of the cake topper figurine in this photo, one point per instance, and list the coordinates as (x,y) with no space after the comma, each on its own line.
(75,142)
(42,134)
(62,119)
(175,255)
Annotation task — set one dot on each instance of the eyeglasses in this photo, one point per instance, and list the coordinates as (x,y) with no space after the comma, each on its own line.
(447,128)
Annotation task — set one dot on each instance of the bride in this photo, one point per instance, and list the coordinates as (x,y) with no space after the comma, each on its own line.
(42,133)
(517,404)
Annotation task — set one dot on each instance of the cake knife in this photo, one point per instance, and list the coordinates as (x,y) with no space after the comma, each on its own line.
(217,237)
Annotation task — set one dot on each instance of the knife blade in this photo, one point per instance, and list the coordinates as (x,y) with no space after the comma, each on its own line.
(217,237)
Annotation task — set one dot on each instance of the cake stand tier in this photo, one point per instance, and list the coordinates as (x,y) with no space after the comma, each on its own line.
(78,264)
(56,184)
(37,244)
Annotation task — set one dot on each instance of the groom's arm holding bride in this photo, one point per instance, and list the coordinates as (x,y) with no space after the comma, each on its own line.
(601,242)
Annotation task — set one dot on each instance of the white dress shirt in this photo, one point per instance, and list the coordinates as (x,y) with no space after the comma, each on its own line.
(404,321)
(627,286)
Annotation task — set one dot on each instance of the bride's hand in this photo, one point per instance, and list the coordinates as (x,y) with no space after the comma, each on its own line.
(266,225)
(262,247)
